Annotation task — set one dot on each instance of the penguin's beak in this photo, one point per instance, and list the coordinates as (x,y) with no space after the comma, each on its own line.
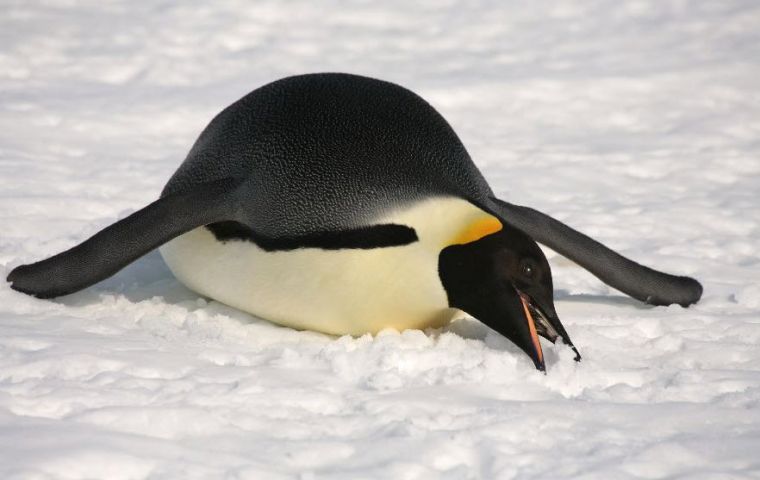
(542,320)
(520,316)
(513,314)
(537,354)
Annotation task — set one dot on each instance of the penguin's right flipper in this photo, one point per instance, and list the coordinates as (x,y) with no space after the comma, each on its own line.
(636,280)
(118,245)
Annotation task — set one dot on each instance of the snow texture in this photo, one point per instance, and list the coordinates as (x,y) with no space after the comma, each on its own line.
(636,122)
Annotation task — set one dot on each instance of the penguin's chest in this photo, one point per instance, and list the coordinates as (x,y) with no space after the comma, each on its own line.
(346,291)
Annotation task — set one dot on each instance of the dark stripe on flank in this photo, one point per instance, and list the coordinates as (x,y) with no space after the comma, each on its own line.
(376,236)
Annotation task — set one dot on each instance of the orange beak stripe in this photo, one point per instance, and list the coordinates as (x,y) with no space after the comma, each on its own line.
(532,327)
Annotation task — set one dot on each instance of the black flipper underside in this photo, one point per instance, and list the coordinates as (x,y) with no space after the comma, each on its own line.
(631,278)
(117,245)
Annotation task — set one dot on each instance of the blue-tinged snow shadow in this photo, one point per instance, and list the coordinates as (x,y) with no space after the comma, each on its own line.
(143,279)
(149,277)
(619,300)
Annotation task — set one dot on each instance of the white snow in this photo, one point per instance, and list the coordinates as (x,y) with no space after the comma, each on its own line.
(636,122)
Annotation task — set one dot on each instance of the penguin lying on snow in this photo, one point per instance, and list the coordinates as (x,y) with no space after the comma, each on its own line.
(345,204)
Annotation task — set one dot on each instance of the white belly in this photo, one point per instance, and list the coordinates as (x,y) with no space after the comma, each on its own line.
(349,291)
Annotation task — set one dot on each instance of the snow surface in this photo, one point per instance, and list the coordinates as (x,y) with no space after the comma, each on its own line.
(636,122)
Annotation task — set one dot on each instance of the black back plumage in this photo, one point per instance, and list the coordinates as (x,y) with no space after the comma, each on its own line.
(326,152)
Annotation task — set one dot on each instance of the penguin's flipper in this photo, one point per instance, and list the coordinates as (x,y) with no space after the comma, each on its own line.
(631,278)
(118,245)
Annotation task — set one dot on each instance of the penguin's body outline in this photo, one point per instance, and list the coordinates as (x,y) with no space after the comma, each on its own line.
(354,176)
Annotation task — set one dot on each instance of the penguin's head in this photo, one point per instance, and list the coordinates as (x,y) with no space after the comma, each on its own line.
(504,280)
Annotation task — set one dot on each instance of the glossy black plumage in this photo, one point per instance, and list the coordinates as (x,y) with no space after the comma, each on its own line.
(326,152)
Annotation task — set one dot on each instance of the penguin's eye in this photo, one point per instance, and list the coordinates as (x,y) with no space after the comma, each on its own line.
(527,269)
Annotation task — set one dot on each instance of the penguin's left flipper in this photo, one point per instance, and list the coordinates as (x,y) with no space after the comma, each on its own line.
(638,281)
(118,245)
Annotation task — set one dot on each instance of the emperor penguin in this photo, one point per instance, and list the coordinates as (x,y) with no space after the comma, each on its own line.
(345,204)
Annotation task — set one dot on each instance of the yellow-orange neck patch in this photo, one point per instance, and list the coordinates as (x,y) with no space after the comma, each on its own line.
(477,230)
